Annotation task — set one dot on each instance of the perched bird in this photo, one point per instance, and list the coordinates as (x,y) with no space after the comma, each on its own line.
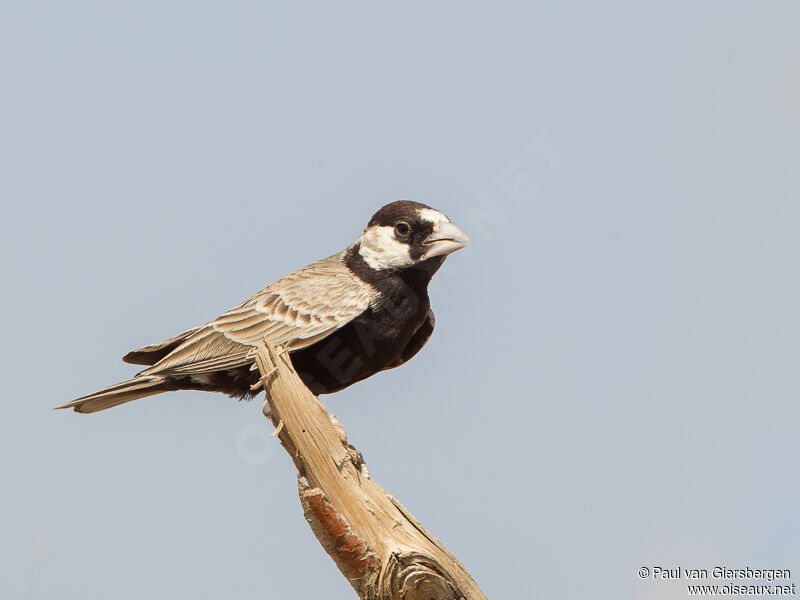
(342,319)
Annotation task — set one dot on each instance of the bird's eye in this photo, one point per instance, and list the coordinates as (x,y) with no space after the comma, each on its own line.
(402,229)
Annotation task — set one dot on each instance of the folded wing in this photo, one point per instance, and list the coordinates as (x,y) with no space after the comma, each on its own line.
(296,311)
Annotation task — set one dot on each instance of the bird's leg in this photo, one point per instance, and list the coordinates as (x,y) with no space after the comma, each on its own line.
(263,382)
(265,407)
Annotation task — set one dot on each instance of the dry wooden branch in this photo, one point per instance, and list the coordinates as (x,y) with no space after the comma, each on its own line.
(383,551)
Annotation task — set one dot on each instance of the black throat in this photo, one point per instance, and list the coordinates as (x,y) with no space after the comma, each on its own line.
(416,277)
(378,338)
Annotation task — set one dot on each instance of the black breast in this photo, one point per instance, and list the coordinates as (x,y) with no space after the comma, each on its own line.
(376,338)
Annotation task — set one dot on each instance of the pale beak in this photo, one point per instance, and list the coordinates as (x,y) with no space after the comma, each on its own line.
(446,238)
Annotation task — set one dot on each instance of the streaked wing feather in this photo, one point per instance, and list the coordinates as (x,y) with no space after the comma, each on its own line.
(211,365)
(297,310)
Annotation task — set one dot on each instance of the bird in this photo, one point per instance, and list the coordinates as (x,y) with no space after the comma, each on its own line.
(341,319)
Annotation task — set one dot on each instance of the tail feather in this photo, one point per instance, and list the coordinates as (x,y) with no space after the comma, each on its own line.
(150,355)
(138,387)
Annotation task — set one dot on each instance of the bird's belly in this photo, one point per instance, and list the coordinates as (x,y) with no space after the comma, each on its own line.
(356,351)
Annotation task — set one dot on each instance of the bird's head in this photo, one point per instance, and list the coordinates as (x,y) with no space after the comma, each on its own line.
(404,234)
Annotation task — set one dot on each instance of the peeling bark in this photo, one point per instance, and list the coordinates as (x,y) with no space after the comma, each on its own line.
(382,550)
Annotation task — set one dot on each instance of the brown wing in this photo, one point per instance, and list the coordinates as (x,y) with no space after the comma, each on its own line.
(296,311)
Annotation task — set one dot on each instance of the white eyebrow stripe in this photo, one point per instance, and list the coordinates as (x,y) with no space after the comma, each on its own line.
(432,215)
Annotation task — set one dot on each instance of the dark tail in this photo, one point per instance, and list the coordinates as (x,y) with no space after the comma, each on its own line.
(139,387)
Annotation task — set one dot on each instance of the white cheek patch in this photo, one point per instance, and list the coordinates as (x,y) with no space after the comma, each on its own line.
(380,250)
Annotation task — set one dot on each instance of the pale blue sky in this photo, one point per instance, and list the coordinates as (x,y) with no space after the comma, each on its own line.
(613,380)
